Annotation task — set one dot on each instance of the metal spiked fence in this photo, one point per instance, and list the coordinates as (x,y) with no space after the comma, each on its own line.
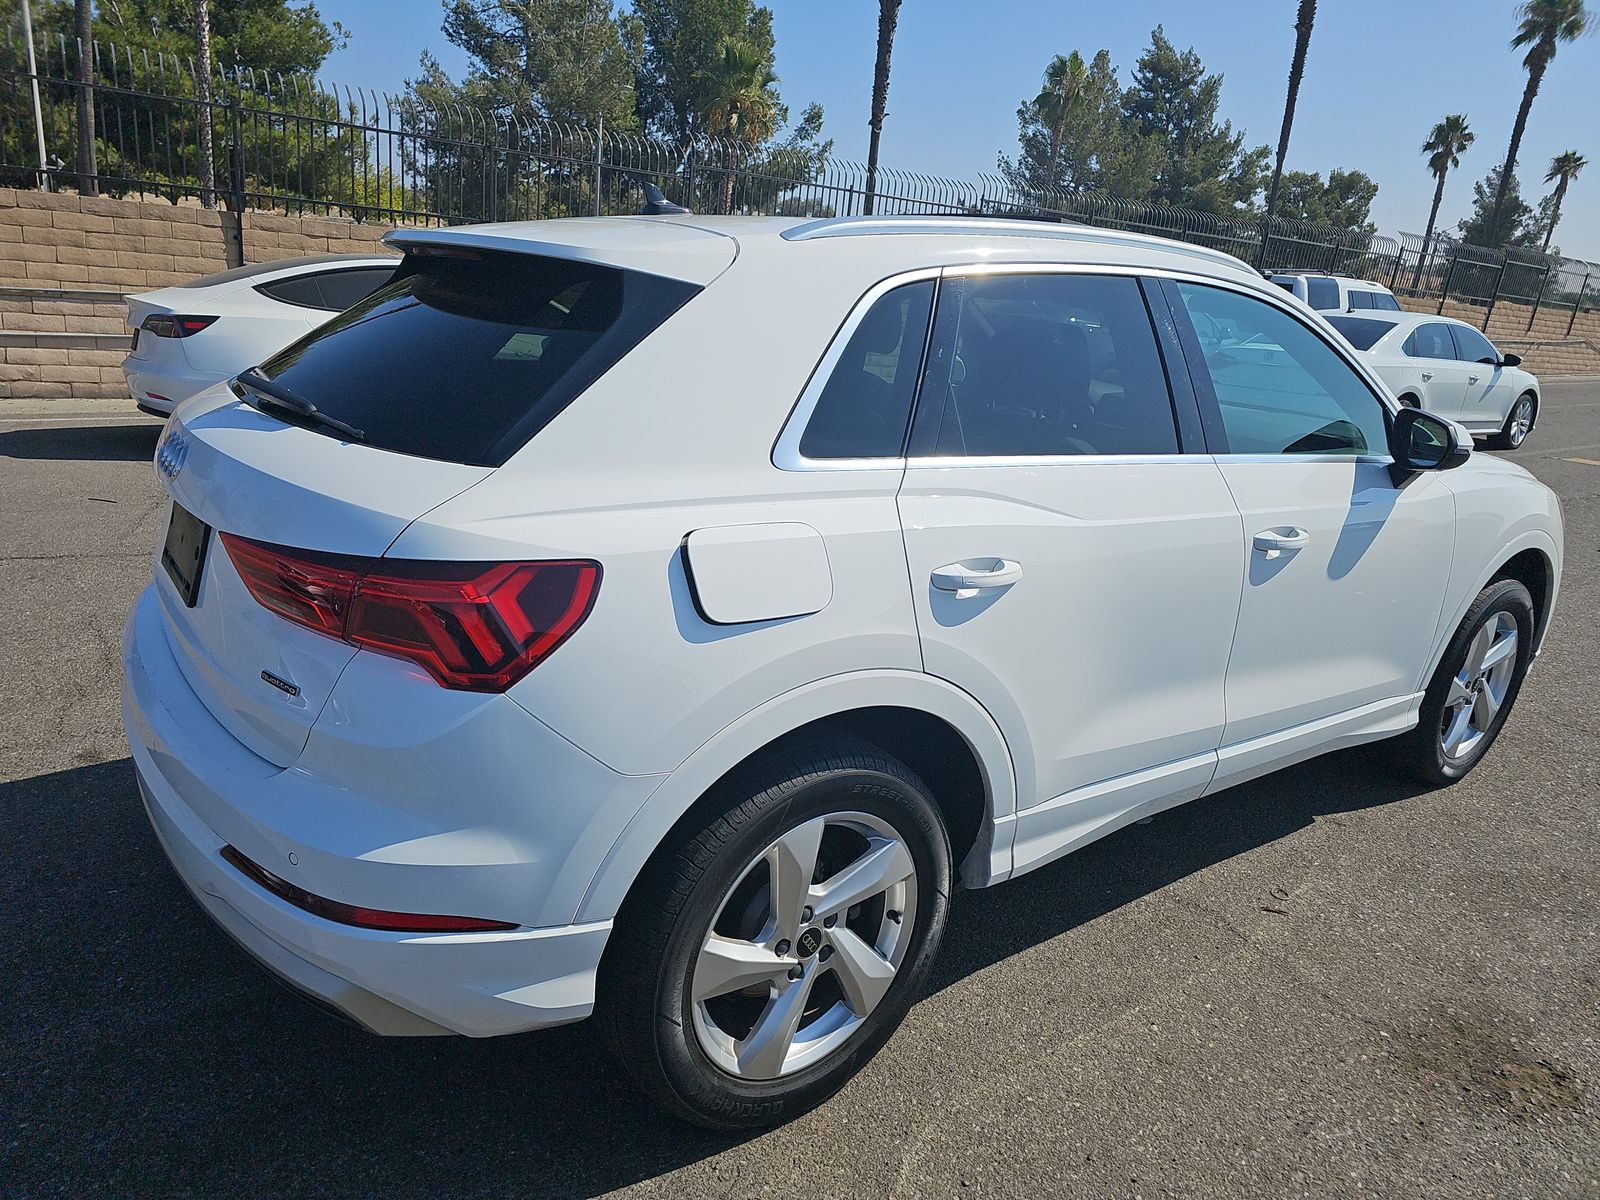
(303,146)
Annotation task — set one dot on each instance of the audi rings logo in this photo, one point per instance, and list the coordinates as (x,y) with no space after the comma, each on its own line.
(172,453)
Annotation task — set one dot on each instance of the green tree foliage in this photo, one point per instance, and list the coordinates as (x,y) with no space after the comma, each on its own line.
(1564,168)
(1511,223)
(1203,163)
(683,45)
(269,35)
(144,141)
(1344,199)
(570,60)
(1157,139)
(1096,148)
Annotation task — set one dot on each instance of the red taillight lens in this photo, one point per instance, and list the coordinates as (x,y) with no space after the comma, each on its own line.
(172,325)
(352,914)
(477,627)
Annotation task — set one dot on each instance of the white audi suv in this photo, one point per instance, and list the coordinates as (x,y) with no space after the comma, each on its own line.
(658,617)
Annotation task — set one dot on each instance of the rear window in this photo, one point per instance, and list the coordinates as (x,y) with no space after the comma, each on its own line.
(1322,294)
(464,359)
(1361,332)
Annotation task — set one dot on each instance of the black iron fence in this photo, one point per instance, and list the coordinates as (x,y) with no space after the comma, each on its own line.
(302,146)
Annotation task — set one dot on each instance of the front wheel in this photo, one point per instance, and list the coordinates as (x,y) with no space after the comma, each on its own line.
(1519,423)
(763,960)
(1475,685)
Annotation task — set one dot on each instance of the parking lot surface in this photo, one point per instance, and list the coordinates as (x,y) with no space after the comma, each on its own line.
(1327,982)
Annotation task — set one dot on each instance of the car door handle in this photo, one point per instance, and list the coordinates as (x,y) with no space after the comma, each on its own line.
(1273,542)
(1427,375)
(974,575)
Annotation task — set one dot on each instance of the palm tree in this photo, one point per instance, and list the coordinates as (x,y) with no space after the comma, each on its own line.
(1297,68)
(1563,170)
(1444,147)
(1543,25)
(1064,81)
(202,79)
(740,105)
(83,28)
(888,18)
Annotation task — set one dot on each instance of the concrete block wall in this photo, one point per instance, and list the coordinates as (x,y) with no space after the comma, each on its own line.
(67,262)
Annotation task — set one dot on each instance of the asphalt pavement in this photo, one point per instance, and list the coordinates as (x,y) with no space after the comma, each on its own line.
(1329,982)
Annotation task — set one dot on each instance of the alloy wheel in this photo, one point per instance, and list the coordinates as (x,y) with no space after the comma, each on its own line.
(1521,423)
(804,946)
(1479,687)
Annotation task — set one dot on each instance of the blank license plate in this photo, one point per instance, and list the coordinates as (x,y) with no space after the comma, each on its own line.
(184,552)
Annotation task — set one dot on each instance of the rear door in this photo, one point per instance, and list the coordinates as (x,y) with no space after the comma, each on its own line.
(1487,395)
(1072,566)
(1443,376)
(1346,569)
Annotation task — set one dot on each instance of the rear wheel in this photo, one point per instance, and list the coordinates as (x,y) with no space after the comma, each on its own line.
(1477,681)
(765,959)
(1519,423)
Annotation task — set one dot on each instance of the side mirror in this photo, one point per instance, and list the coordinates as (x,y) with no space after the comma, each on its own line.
(1420,441)
(1510,360)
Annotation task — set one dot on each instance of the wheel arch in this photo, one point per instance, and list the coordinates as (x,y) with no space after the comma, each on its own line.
(934,727)
(1532,554)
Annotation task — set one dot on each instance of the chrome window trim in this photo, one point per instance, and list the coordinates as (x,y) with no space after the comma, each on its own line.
(786,454)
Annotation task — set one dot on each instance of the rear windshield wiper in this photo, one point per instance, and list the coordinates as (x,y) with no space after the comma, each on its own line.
(275,395)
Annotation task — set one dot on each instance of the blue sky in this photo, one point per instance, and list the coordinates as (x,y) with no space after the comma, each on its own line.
(1380,73)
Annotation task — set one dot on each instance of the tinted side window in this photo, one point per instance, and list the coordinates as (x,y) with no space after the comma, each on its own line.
(1430,341)
(1322,294)
(864,407)
(1472,346)
(297,289)
(1048,364)
(1360,300)
(1281,389)
(341,289)
(1385,301)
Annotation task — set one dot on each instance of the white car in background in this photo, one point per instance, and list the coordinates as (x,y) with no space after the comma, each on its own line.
(195,335)
(1335,293)
(1449,368)
(657,618)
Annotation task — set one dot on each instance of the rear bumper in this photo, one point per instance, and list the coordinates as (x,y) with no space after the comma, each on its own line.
(160,388)
(203,789)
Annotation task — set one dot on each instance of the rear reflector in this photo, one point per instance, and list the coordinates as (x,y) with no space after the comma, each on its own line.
(476,627)
(172,325)
(351,914)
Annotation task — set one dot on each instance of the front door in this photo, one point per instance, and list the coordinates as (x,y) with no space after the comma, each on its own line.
(1071,567)
(1346,570)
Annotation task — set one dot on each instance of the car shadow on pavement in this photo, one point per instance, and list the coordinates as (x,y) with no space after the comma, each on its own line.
(143,1053)
(122,442)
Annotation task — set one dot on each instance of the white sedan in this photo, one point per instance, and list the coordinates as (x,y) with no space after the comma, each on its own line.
(1449,368)
(194,336)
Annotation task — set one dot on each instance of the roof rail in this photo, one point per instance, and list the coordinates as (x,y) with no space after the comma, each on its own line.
(983,226)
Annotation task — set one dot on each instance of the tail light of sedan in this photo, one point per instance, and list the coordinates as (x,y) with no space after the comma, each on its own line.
(473,626)
(175,325)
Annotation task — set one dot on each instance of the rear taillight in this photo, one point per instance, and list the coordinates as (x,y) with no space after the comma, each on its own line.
(172,325)
(478,627)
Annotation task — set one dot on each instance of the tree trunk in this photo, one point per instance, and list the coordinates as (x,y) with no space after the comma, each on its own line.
(1427,238)
(1297,69)
(83,29)
(1056,132)
(888,18)
(1555,213)
(207,164)
(730,164)
(1535,78)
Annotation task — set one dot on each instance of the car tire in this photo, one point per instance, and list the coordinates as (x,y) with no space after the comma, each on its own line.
(1472,692)
(701,915)
(1410,401)
(1519,423)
